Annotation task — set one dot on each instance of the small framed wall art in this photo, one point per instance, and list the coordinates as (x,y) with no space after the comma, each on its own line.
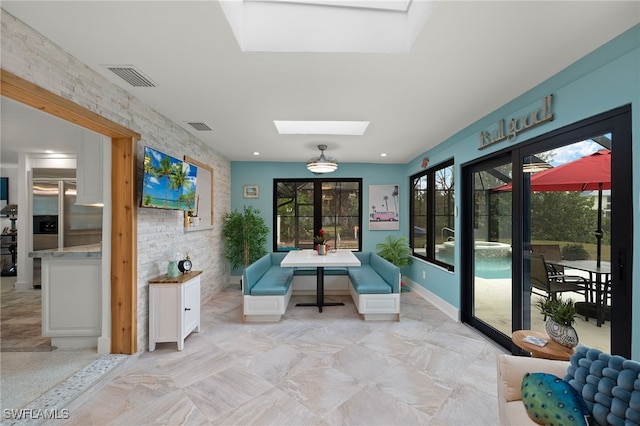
(251,191)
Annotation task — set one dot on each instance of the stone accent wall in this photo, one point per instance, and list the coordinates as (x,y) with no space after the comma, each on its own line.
(33,57)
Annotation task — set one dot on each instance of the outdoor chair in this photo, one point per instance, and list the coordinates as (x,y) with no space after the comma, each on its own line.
(547,284)
(551,253)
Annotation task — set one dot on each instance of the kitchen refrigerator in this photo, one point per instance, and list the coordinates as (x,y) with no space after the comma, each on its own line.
(58,221)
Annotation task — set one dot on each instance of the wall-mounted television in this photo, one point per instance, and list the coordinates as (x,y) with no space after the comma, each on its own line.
(167,183)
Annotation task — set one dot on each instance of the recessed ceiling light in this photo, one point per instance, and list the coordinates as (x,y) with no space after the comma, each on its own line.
(349,128)
(256,153)
(384,154)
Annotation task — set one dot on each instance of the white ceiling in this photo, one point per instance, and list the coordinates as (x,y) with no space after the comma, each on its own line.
(469,59)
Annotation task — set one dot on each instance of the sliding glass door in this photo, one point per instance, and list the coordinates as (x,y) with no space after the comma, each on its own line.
(550,219)
(568,231)
(491,263)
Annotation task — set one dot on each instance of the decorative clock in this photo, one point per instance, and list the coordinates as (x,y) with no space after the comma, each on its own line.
(185,265)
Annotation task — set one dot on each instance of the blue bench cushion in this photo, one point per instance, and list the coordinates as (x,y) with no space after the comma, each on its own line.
(385,271)
(313,271)
(253,273)
(275,281)
(366,280)
(389,272)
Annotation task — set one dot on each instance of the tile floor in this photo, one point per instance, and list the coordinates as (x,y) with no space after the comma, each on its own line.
(329,368)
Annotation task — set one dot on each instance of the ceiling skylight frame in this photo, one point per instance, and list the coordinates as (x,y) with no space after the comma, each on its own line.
(362,26)
(311,127)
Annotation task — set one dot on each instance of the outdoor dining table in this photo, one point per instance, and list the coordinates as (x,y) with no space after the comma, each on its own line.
(600,272)
(311,258)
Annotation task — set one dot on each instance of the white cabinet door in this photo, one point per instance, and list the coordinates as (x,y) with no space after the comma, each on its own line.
(191,310)
(89,169)
(72,301)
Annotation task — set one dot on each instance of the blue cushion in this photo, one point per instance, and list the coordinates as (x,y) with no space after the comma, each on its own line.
(252,273)
(363,256)
(365,280)
(550,400)
(314,271)
(609,384)
(387,270)
(275,281)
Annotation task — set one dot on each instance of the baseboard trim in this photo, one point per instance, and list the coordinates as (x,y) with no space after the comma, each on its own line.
(434,299)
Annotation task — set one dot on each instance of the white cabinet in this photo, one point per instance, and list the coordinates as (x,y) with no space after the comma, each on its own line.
(71,300)
(89,169)
(174,308)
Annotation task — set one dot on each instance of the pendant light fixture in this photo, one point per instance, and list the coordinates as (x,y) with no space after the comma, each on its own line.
(322,164)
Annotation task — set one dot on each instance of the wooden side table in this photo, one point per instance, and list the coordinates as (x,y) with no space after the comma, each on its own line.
(551,350)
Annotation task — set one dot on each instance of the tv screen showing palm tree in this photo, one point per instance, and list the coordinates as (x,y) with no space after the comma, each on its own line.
(168,183)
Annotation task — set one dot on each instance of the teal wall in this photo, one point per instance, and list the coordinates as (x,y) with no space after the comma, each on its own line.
(607,78)
(263,173)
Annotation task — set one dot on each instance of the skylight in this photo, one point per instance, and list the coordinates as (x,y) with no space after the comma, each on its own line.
(349,128)
(326,26)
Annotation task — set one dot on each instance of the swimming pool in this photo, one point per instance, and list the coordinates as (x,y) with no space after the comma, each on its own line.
(492,259)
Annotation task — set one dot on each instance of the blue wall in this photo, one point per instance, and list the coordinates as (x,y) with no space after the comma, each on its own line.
(605,79)
(263,173)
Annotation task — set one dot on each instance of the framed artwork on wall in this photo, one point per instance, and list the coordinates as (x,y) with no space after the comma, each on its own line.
(383,208)
(251,191)
(201,216)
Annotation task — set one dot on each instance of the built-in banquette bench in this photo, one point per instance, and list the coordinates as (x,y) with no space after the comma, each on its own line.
(266,288)
(374,286)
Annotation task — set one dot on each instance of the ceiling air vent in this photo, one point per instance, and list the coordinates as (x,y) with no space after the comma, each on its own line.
(201,127)
(131,75)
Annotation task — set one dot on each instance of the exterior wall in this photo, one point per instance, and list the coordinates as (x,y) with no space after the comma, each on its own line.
(31,56)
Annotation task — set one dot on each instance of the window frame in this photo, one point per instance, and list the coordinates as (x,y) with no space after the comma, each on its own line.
(317,206)
(430,212)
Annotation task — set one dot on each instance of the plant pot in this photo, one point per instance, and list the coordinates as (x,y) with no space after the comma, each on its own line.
(322,249)
(561,334)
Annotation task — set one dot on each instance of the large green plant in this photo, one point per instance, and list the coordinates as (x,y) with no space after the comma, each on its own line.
(246,236)
(396,250)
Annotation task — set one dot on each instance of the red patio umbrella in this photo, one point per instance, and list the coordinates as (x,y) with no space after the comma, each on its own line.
(589,173)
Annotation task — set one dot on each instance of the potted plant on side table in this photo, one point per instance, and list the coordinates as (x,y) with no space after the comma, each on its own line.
(397,251)
(560,316)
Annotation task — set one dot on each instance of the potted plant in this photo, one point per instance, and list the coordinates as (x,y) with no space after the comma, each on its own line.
(560,316)
(397,251)
(246,236)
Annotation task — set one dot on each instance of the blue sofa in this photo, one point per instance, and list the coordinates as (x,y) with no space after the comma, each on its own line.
(609,385)
(266,288)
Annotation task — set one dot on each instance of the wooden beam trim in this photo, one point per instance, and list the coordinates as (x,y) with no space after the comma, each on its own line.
(124,291)
(24,91)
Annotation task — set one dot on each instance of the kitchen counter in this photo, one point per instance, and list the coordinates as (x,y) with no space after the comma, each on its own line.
(71,295)
(89,250)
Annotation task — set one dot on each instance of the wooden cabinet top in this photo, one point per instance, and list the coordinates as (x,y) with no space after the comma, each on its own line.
(180,279)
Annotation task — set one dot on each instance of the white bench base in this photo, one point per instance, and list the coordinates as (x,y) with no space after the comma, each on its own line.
(376,307)
(265,308)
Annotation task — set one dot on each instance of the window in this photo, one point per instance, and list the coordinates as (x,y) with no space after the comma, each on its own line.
(304,206)
(433,214)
